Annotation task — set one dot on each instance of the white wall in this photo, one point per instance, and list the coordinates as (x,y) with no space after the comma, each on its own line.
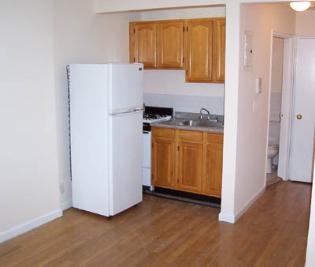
(310,255)
(260,19)
(305,22)
(29,193)
(186,103)
(184,13)
(81,36)
(102,6)
(173,82)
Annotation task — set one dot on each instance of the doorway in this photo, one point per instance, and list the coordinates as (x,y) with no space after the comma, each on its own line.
(275,109)
(280,99)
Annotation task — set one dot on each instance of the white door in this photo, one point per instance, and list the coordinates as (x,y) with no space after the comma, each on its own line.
(302,138)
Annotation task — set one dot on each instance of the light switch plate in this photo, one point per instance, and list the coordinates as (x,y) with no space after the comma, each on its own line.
(258,85)
(248,51)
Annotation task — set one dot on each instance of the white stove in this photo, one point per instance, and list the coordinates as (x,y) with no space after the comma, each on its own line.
(151,115)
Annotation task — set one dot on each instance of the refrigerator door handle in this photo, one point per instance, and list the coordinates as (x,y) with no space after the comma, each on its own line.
(136,110)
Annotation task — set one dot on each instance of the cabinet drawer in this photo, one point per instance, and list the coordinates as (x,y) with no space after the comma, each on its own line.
(215,138)
(163,132)
(191,136)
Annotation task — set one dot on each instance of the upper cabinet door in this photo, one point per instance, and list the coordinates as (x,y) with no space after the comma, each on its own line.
(143,43)
(219,50)
(170,45)
(199,34)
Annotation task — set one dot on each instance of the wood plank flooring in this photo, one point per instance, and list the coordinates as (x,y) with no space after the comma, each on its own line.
(162,232)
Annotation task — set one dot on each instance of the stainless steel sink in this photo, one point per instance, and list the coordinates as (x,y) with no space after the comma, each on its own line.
(197,123)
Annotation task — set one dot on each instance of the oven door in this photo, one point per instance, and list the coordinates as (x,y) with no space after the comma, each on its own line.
(146,181)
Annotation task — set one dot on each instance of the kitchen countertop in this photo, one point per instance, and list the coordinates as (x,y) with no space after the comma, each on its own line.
(172,124)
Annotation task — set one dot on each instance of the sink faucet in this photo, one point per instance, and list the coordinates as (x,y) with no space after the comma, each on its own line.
(202,111)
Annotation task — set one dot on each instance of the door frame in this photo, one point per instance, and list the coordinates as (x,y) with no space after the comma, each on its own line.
(290,83)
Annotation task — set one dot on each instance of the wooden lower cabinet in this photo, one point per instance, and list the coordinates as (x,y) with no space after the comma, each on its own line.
(189,166)
(213,157)
(189,161)
(163,163)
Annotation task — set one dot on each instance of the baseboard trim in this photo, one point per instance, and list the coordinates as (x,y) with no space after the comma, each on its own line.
(249,203)
(66,204)
(29,225)
(226,217)
(233,218)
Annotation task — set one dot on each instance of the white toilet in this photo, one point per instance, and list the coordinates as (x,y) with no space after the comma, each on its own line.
(273,150)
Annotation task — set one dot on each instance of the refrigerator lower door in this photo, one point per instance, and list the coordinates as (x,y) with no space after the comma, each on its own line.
(126,161)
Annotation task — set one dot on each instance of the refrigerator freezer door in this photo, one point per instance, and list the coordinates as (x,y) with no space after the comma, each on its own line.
(126,161)
(126,87)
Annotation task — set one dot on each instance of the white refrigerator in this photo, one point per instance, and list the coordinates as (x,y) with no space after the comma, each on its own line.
(106,108)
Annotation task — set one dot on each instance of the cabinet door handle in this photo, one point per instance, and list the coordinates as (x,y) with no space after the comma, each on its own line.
(299,116)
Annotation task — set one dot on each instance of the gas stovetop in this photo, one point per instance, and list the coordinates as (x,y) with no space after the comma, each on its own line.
(157,114)
(151,118)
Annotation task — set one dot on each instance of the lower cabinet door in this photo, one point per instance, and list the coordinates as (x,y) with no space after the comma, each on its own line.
(189,166)
(212,181)
(163,162)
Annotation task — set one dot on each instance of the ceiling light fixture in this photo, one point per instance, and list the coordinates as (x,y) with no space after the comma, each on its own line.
(300,5)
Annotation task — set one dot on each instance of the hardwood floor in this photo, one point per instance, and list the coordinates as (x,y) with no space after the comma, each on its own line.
(162,232)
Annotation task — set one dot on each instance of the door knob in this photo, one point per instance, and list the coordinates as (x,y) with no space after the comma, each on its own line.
(299,116)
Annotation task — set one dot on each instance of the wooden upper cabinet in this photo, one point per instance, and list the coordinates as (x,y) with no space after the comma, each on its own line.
(143,43)
(219,50)
(196,45)
(199,33)
(170,44)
